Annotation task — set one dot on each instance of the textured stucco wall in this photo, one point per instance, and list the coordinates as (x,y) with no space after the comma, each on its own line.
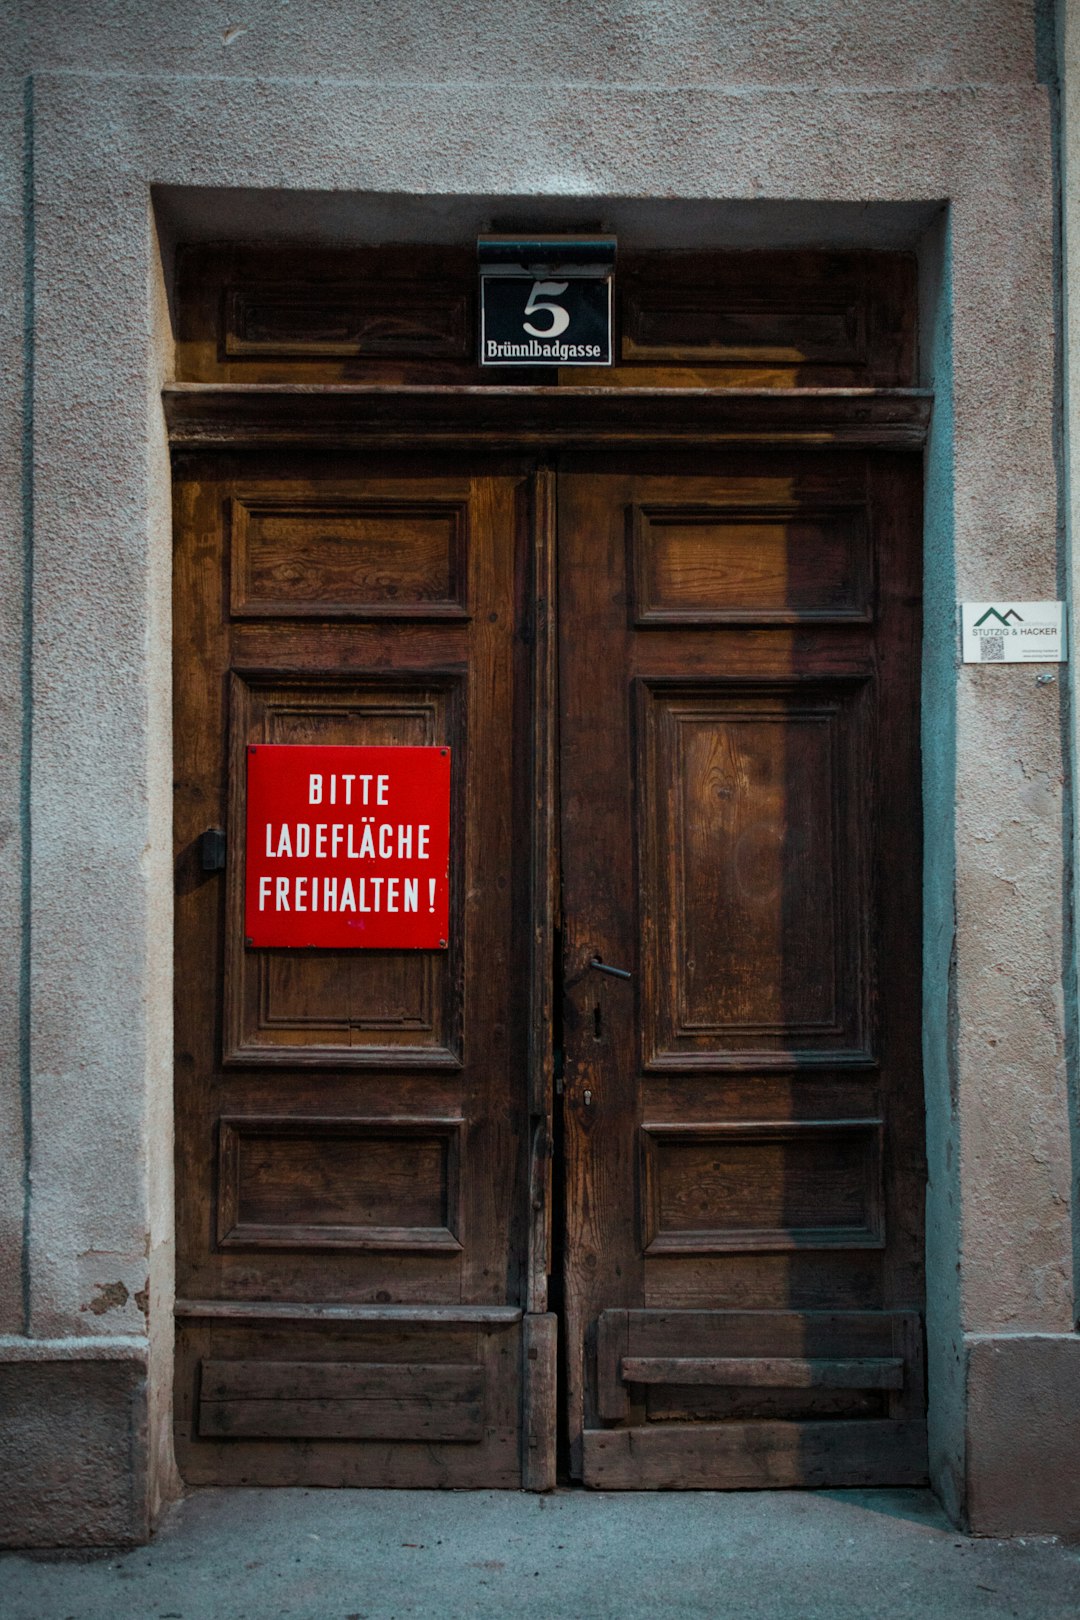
(905,44)
(13,549)
(929,102)
(1068,17)
(75,1443)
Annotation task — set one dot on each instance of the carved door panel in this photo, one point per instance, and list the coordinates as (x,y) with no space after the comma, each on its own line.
(352,1125)
(739,654)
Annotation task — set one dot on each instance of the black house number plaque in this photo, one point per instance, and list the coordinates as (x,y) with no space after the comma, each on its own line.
(545,301)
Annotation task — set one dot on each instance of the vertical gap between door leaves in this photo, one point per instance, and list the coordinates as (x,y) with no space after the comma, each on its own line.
(556,1278)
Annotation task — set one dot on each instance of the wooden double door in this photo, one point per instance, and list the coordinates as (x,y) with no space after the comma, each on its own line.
(635,1163)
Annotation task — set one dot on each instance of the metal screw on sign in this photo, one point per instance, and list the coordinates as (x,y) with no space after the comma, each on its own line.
(442,944)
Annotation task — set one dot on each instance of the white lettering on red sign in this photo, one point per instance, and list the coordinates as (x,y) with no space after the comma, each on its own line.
(347,847)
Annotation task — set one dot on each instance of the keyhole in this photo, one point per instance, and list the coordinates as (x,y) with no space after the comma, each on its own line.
(598,1023)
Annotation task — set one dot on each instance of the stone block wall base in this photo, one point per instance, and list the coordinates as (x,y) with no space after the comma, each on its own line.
(1023,1434)
(73,1438)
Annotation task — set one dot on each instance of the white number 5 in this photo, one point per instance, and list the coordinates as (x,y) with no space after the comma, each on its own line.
(560,318)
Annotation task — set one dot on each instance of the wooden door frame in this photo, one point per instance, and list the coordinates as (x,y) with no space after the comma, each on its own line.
(540,421)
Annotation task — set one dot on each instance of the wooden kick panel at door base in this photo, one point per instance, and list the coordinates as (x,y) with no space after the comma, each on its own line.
(348,1398)
(341,1400)
(749,1399)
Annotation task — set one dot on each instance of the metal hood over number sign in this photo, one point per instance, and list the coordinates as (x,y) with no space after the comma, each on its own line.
(545,300)
(347,847)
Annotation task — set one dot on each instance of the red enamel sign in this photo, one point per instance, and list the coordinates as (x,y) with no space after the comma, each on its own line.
(347,847)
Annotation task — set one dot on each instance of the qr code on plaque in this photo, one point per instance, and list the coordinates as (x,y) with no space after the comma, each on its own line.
(992,649)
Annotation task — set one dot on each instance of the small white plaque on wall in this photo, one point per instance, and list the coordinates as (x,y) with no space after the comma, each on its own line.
(1013,632)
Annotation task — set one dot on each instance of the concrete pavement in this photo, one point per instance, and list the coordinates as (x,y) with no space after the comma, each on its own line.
(575,1555)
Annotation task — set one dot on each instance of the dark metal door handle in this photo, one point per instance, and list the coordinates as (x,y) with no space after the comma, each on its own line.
(605,967)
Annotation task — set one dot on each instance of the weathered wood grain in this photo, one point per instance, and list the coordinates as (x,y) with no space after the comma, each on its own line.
(209,416)
(790,1372)
(755,1456)
(352,1130)
(744,1114)
(333,1400)
(539,1372)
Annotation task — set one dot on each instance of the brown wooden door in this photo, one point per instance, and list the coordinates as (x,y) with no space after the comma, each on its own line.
(363,1170)
(739,654)
(352,1126)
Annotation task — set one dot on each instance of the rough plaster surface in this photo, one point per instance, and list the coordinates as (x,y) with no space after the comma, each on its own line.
(73,1436)
(895,43)
(101,906)
(1069,55)
(12,538)
(1024,1433)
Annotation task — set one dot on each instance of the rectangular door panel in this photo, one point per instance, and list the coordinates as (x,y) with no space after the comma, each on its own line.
(738,1185)
(363,1398)
(339,1183)
(322,555)
(753,811)
(343,1008)
(696,563)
